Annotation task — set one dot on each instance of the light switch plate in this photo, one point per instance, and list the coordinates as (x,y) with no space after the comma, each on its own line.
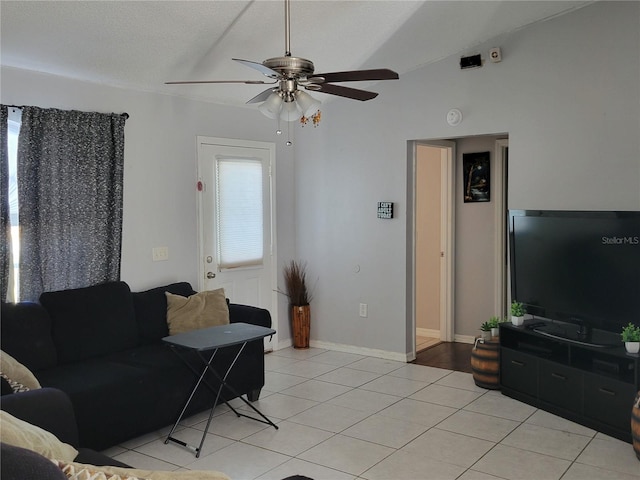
(160,254)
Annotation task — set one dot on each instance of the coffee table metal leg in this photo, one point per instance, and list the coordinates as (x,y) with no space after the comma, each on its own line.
(218,392)
(186,405)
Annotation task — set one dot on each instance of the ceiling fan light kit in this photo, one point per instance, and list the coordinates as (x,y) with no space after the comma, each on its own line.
(308,105)
(271,106)
(287,101)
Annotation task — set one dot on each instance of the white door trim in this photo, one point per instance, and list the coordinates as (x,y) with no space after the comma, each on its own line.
(271,147)
(447,241)
(500,299)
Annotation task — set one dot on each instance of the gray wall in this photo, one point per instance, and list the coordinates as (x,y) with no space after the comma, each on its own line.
(475,253)
(567,93)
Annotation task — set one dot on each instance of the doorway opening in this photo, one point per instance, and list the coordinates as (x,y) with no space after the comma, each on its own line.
(456,251)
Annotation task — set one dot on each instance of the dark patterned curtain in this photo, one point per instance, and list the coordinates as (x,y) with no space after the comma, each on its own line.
(70,171)
(4,203)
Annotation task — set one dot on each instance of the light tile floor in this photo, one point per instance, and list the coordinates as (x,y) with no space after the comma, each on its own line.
(345,416)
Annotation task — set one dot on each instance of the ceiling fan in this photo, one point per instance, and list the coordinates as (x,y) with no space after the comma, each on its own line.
(286,100)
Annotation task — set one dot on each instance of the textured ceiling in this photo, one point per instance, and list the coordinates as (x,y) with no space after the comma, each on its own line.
(141,44)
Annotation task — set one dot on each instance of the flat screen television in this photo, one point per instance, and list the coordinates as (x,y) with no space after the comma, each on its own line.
(578,269)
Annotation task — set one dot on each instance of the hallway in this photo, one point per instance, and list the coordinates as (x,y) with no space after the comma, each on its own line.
(450,355)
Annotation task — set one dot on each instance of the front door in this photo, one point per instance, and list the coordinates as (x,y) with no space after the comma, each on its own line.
(235,193)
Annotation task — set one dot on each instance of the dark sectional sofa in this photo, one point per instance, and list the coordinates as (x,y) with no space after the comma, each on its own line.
(51,410)
(102,346)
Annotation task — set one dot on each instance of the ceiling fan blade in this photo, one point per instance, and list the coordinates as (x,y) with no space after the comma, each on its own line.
(261,97)
(354,76)
(266,71)
(346,92)
(247,82)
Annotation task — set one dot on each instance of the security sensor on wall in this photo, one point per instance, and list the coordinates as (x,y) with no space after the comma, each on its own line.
(495,55)
(454,117)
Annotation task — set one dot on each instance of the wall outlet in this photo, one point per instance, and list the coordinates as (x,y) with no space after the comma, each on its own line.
(363,309)
(160,254)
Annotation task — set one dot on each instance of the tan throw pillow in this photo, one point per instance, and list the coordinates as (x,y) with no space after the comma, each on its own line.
(22,434)
(202,310)
(17,372)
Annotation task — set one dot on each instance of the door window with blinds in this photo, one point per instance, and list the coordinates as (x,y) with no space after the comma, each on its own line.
(239,213)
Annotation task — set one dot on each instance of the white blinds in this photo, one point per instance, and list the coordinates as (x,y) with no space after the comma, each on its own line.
(239,224)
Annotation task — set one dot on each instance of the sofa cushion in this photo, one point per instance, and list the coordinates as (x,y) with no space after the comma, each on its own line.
(151,310)
(202,310)
(108,398)
(22,434)
(92,321)
(26,335)
(21,464)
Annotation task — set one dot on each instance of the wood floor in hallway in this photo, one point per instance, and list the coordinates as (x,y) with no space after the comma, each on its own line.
(450,355)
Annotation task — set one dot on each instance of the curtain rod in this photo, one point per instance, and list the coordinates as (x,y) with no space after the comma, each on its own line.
(124,114)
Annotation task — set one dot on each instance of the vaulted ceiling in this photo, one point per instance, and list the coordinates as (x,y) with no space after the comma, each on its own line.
(142,44)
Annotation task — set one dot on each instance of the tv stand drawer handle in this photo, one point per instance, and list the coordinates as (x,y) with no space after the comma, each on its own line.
(517,363)
(607,392)
(558,376)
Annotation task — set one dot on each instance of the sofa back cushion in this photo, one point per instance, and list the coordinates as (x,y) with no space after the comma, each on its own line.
(91,322)
(151,310)
(26,335)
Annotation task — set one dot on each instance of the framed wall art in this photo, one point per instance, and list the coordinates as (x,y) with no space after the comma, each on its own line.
(476,177)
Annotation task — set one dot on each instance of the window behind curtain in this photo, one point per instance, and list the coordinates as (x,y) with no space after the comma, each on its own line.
(69,189)
(239,225)
(13,129)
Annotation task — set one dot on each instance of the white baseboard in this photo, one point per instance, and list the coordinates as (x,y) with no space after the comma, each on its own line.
(464,338)
(369,352)
(284,344)
(338,347)
(428,332)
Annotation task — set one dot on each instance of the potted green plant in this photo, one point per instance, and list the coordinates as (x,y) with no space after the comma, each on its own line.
(495,326)
(631,338)
(517,313)
(295,281)
(485,331)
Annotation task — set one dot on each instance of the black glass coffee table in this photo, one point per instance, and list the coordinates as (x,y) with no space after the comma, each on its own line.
(206,343)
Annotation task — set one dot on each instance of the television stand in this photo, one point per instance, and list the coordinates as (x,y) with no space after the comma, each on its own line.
(592,382)
(577,338)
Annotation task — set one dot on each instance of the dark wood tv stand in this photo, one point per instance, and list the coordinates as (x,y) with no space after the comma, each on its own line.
(592,386)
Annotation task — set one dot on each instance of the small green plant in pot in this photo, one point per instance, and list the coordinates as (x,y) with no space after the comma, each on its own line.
(495,326)
(631,338)
(485,331)
(517,313)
